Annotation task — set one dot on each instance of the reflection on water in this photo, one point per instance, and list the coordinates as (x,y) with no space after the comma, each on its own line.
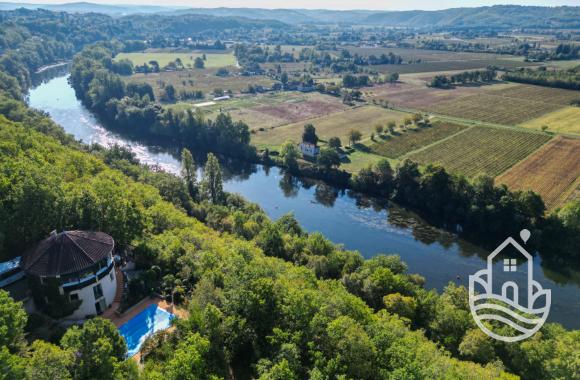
(361,223)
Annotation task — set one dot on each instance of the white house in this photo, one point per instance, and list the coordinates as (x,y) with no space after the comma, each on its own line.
(309,149)
(75,268)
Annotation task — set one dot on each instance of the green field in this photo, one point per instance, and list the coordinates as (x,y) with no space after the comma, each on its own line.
(565,120)
(337,124)
(204,80)
(484,150)
(358,160)
(163,58)
(413,139)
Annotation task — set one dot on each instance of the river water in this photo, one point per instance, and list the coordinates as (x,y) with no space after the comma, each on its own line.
(357,222)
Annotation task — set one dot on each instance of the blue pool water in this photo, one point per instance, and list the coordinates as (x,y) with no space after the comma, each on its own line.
(143,325)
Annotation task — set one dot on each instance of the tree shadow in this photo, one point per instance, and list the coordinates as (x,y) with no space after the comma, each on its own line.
(362,147)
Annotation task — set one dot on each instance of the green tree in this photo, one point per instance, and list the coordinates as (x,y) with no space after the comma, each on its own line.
(99,349)
(49,362)
(189,172)
(188,362)
(570,215)
(198,63)
(212,184)
(379,129)
(170,93)
(477,346)
(328,158)
(284,78)
(289,154)
(393,77)
(309,134)
(13,366)
(334,142)
(354,136)
(271,241)
(397,303)
(12,321)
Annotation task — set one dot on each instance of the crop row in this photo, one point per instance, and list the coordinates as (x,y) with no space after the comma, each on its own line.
(394,146)
(482,150)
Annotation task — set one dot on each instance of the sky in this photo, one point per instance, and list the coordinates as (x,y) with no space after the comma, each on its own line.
(322,4)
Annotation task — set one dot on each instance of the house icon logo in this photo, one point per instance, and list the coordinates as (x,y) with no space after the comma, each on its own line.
(509,311)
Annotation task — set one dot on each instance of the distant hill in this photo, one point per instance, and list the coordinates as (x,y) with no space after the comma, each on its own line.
(184,24)
(497,17)
(85,7)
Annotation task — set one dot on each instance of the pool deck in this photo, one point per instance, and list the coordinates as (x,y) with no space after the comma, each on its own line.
(119,319)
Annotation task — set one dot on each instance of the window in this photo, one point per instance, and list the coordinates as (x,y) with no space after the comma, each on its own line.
(74,297)
(98,291)
(510,265)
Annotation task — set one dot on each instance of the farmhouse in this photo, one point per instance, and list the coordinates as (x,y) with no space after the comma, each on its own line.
(309,149)
(72,273)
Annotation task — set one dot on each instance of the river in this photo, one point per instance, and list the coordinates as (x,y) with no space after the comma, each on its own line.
(357,222)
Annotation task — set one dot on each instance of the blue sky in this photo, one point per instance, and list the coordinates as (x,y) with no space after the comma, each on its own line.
(323,4)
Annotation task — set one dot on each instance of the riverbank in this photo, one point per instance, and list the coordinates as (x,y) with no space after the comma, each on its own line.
(356,221)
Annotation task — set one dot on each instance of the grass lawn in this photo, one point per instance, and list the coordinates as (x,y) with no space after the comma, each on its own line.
(212,59)
(565,120)
(336,124)
(358,160)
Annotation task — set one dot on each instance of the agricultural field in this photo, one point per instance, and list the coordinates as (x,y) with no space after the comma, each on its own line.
(204,80)
(494,109)
(409,140)
(434,66)
(336,124)
(543,94)
(486,150)
(213,60)
(425,55)
(509,104)
(289,67)
(553,172)
(414,94)
(565,120)
(265,111)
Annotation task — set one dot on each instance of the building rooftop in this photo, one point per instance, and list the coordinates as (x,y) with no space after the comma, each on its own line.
(67,252)
(7,266)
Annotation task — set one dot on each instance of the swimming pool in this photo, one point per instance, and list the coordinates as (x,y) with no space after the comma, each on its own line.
(149,321)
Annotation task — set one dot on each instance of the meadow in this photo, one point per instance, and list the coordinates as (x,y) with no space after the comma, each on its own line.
(204,80)
(337,124)
(403,142)
(163,58)
(552,171)
(565,120)
(482,150)
(269,110)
